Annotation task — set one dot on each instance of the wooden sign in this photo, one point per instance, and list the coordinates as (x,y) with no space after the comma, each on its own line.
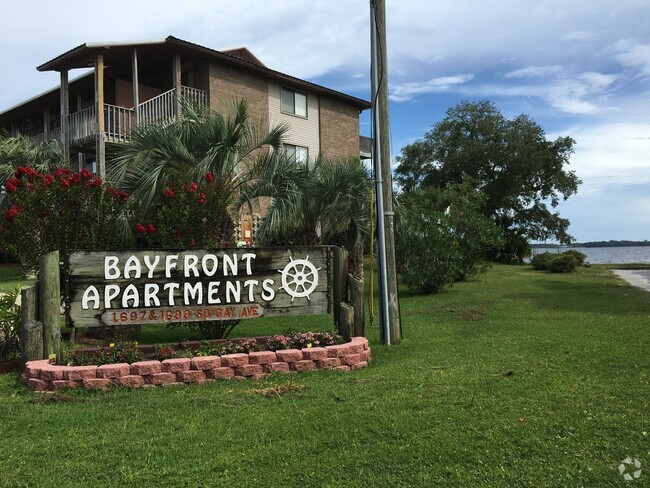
(159,286)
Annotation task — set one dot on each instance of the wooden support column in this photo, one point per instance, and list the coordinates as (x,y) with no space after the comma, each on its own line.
(355,286)
(80,157)
(99,108)
(340,282)
(50,303)
(14,128)
(31,331)
(46,124)
(176,65)
(65,112)
(136,89)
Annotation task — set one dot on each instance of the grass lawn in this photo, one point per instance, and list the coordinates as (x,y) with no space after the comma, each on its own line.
(520,378)
(11,277)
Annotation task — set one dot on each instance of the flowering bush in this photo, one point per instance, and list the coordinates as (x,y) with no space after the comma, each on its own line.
(303,340)
(190,215)
(59,211)
(235,347)
(123,352)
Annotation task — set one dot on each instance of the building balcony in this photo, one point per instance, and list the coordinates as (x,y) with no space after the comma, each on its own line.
(83,125)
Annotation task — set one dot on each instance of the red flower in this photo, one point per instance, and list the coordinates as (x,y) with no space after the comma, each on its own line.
(202,198)
(209,177)
(193,187)
(110,191)
(124,195)
(61,172)
(151,228)
(64,183)
(97,182)
(169,193)
(11,214)
(12,185)
(76,179)
(192,242)
(140,228)
(48,179)
(85,174)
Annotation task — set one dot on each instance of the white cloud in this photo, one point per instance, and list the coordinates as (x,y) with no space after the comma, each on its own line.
(611,154)
(578,36)
(637,57)
(535,71)
(406,91)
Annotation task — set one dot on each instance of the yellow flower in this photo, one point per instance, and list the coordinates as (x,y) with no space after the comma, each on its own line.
(309,344)
(112,344)
(135,343)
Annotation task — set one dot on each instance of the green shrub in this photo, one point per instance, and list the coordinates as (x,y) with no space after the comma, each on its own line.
(443,238)
(563,263)
(541,261)
(9,325)
(209,329)
(580,257)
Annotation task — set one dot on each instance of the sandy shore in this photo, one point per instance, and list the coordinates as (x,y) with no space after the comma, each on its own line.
(635,277)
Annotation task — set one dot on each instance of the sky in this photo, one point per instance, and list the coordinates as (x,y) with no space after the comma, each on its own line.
(578,68)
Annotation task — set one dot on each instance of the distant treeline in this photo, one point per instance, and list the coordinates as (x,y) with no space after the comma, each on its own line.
(598,244)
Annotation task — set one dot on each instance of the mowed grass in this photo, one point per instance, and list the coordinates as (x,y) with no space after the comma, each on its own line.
(11,277)
(519,378)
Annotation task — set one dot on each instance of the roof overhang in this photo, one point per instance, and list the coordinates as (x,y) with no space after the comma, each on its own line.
(83,56)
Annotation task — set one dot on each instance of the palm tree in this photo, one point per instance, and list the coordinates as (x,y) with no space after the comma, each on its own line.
(198,142)
(322,201)
(21,150)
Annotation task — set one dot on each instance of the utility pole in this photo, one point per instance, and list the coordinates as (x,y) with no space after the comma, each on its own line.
(391,330)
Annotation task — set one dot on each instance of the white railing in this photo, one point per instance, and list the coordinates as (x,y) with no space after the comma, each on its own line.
(194,94)
(82,125)
(159,108)
(52,134)
(118,121)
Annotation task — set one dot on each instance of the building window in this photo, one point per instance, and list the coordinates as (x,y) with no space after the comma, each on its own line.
(299,152)
(294,102)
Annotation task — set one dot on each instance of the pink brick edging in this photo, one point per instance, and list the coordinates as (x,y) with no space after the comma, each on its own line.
(42,376)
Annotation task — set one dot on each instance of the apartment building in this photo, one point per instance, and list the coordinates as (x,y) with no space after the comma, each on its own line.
(134,82)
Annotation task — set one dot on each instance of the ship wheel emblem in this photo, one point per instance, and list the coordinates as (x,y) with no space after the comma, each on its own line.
(299,278)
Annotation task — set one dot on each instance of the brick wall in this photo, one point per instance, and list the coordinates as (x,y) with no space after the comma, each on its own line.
(42,376)
(228,86)
(339,129)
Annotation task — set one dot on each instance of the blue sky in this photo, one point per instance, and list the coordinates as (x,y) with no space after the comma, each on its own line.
(579,68)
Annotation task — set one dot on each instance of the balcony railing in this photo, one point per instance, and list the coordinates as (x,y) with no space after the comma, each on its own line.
(158,109)
(119,121)
(53,134)
(82,125)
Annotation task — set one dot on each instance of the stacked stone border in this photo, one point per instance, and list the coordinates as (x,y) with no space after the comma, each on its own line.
(42,376)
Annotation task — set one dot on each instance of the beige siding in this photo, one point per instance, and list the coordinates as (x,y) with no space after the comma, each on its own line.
(302,131)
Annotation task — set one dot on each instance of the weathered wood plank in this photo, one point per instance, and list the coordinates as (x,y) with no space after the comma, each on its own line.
(50,302)
(346,320)
(282,281)
(340,281)
(31,341)
(29,313)
(356,300)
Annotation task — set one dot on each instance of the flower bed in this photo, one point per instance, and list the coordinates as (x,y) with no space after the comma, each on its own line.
(42,376)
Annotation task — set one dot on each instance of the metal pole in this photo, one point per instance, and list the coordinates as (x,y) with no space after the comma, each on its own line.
(384,316)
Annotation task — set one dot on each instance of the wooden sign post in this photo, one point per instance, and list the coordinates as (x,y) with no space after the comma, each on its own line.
(158,286)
